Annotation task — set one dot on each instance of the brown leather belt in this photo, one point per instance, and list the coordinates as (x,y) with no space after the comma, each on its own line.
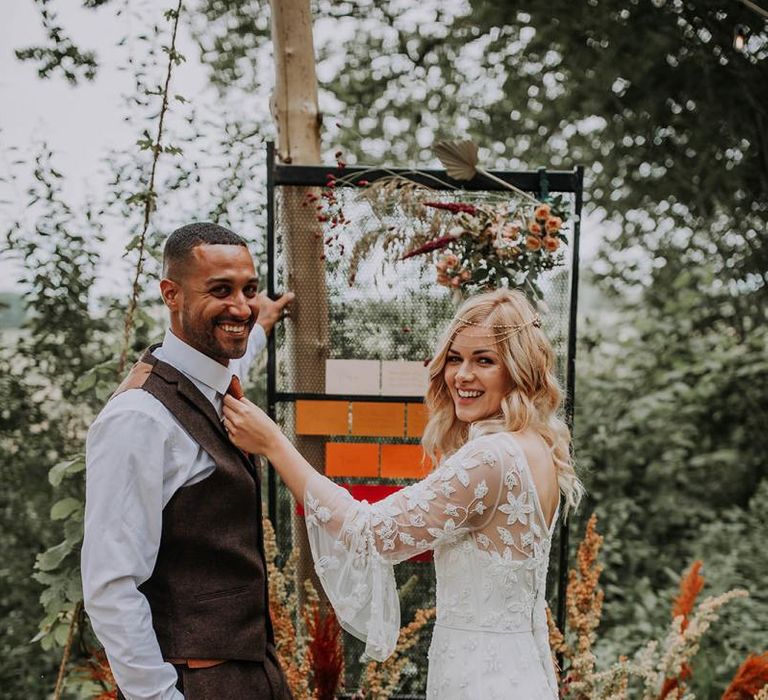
(197,663)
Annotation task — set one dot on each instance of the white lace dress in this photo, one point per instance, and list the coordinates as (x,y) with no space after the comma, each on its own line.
(480,512)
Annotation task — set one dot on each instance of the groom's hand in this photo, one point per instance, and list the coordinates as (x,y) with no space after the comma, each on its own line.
(270,312)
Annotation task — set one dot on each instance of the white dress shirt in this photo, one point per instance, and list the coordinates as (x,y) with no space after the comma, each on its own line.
(137,456)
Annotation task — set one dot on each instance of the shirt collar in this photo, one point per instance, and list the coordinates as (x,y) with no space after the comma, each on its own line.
(195,364)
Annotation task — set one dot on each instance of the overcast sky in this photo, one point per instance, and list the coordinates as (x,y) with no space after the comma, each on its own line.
(83,123)
(80,123)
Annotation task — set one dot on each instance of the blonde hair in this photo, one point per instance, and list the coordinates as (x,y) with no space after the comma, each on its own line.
(535,400)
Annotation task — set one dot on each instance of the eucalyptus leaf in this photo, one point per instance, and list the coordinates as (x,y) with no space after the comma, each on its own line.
(51,558)
(65,507)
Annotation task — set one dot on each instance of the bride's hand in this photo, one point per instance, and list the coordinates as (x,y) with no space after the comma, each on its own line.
(249,427)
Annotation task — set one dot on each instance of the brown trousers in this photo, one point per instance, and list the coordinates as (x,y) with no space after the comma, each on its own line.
(233,680)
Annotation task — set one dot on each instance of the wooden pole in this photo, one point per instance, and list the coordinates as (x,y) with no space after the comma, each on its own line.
(297,117)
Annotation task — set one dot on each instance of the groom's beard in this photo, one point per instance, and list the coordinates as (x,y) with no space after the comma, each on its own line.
(208,336)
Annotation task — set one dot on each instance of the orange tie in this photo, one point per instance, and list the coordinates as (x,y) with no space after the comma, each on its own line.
(235,388)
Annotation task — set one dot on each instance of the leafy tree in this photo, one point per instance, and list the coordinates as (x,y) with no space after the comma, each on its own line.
(671,123)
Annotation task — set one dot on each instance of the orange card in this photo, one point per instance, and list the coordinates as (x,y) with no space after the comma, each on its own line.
(351,459)
(322,418)
(404,462)
(417,419)
(378,419)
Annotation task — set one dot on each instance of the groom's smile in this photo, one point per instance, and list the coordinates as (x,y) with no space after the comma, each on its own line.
(214,300)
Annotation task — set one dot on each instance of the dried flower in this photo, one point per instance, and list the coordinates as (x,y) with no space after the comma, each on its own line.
(436,244)
(533,243)
(535,228)
(750,679)
(553,224)
(454,207)
(542,212)
(510,232)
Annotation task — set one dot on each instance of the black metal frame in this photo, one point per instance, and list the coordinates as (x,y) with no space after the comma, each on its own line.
(541,181)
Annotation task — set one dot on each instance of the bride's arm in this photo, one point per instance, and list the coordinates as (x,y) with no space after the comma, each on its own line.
(253,431)
(354,543)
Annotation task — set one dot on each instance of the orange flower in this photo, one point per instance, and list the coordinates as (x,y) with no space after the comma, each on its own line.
(542,212)
(451,260)
(443,279)
(551,244)
(465,275)
(690,587)
(750,679)
(534,228)
(553,224)
(456,281)
(533,242)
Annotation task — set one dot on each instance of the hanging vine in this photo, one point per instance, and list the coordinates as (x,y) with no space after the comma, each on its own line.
(148,197)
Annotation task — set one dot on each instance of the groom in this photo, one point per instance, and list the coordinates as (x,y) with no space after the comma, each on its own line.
(174,575)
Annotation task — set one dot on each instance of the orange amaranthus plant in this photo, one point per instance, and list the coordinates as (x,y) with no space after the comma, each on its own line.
(662,667)
(751,680)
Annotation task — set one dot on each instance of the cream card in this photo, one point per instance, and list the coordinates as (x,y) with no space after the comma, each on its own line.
(360,377)
(403,378)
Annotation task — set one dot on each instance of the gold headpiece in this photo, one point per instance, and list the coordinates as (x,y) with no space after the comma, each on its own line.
(502,331)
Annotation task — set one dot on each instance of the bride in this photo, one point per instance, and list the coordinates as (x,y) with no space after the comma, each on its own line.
(488,509)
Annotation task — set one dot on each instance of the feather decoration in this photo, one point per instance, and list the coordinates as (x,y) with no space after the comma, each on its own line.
(459,158)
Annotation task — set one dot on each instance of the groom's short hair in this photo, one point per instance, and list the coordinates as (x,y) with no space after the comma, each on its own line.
(183,240)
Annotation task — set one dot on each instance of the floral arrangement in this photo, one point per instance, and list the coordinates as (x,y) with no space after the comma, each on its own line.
(662,667)
(505,238)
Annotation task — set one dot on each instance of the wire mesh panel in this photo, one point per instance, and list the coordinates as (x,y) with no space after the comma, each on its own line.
(377,311)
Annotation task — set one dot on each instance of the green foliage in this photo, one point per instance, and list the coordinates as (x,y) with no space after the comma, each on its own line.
(61,53)
(671,404)
(670,431)
(42,422)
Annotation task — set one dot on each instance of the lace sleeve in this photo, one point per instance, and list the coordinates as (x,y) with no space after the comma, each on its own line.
(355,544)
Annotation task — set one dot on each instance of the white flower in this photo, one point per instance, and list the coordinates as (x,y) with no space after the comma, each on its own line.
(506,535)
(487,458)
(388,544)
(516,508)
(481,489)
(447,488)
(449,530)
(387,529)
(451,509)
(419,495)
(479,508)
(405,538)
(311,505)
(417,520)
(458,468)
(323,514)
(381,511)
(325,563)
(510,479)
